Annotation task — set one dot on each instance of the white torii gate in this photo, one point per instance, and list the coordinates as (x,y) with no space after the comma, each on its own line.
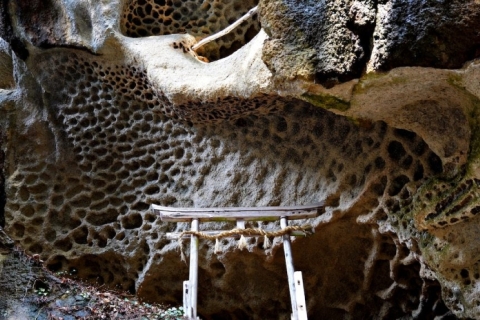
(240,215)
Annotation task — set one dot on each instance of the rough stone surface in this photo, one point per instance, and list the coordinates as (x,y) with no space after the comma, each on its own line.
(440,34)
(317,39)
(200,19)
(42,21)
(6,83)
(443,107)
(333,41)
(2,182)
(6,67)
(7,33)
(105,119)
(18,276)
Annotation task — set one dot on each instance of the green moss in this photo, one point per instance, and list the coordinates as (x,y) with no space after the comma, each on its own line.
(367,81)
(455,80)
(377,80)
(426,240)
(326,101)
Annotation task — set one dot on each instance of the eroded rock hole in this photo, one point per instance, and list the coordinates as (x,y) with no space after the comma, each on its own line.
(132,221)
(395,150)
(435,163)
(151,18)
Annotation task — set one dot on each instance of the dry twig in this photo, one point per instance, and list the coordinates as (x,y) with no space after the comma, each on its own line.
(226,30)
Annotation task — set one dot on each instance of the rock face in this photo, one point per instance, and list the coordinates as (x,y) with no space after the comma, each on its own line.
(105,109)
(332,41)
(7,82)
(2,182)
(404,30)
(150,18)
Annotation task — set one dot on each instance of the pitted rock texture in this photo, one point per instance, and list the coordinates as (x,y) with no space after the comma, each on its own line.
(448,204)
(84,205)
(96,134)
(200,19)
(446,213)
(437,104)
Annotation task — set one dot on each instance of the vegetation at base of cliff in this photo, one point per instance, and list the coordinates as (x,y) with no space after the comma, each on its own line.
(55,297)
(326,101)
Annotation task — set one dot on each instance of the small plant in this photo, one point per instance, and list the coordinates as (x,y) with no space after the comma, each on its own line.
(172,314)
(41,288)
(41,291)
(85,295)
(65,273)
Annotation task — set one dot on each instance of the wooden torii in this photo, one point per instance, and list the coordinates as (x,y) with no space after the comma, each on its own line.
(240,215)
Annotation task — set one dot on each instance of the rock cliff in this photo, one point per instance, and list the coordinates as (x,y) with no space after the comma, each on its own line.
(370,106)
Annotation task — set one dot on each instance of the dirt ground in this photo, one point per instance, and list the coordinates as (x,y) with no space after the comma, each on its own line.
(30,291)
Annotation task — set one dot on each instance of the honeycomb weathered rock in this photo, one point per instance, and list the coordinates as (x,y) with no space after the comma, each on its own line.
(200,19)
(106,123)
(122,148)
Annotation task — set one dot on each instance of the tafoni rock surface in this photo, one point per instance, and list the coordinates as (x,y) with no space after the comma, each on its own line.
(370,106)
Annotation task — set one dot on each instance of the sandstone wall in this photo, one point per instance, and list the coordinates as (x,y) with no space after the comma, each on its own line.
(2,184)
(107,110)
(6,84)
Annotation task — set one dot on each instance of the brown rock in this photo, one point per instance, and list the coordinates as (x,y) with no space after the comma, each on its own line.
(106,119)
